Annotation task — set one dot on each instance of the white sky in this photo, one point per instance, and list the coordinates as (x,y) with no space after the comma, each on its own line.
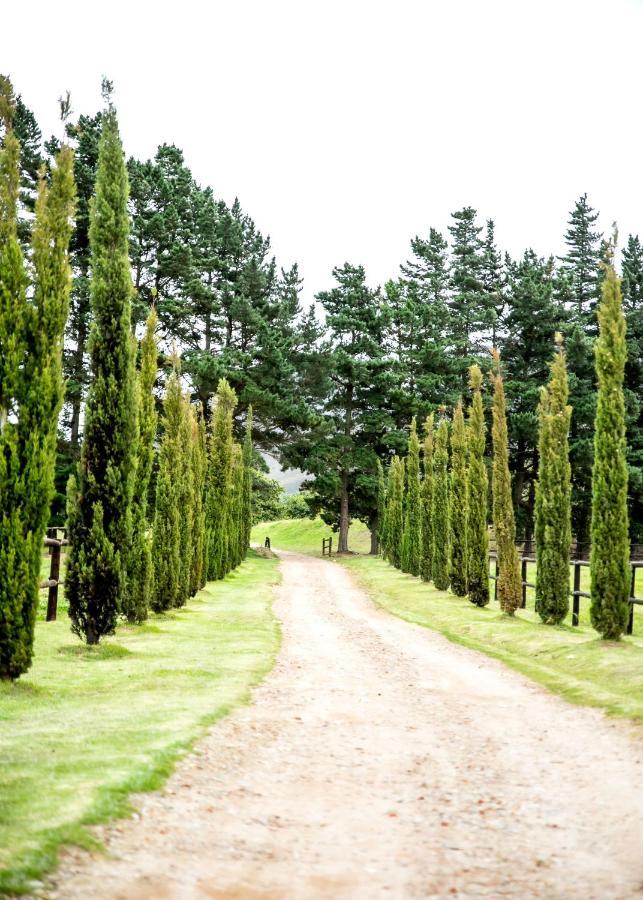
(347,127)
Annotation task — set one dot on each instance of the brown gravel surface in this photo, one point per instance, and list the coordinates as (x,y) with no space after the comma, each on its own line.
(379,760)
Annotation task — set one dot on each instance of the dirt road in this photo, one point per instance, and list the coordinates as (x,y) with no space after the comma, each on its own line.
(378,760)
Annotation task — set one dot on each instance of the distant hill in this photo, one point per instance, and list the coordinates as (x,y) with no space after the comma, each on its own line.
(289,479)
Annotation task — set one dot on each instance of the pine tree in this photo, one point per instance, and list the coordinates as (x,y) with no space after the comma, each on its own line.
(140,576)
(394,512)
(101,524)
(477,537)
(610,546)
(169,511)
(458,504)
(219,482)
(553,496)
(509,576)
(247,484)
(440,509)
(413,515)
(31,386)
(426,558)
(582,260)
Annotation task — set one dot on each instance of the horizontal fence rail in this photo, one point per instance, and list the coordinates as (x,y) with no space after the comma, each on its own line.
(575,593)
(56,539)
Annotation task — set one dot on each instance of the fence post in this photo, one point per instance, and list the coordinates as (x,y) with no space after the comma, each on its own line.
(54,576)
(576,594)
(630,618)
(523,572)
(330,545)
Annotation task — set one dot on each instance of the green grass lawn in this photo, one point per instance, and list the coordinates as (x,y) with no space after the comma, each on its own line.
(86,727)
(305,535)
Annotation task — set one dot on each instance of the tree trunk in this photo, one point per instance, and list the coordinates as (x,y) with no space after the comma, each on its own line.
(343,514)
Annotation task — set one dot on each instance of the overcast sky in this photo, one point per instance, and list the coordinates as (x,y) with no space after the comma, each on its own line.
(347,127)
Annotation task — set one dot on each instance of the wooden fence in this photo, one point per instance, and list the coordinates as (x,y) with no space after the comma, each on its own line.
(575,593)
(327,546)
(56,539)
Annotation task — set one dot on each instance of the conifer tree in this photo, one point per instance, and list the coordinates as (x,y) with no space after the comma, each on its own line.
(219,482)
(31,386)
(381,509)
(101,523)
(186,501)
(509,576)
(426,557)
(610,546)
(413,514)
(140,577)
(198,468)
(553,496)
(235,529)
(394,512)
(440,509)
(169,511)
(632,291)
(247,484)
(458,504)
(477,537)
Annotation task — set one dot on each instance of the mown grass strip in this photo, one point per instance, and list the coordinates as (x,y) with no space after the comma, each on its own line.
(89,726)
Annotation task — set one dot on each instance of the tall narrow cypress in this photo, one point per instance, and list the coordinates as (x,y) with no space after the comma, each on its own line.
(394,513)
(186,500)
(440,508)
(413,514)
(31,386)
(381,509)
(247,484)
(458,504)
(426,557)
(101,522)
(553,495)
(477,537)
(610,548)
(169,511)
(140,579)
(219,482)
(509,576)
(198,463)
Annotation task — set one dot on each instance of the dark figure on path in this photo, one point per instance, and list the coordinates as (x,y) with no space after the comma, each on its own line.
(267,543)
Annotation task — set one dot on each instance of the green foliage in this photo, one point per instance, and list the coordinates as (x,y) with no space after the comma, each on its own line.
(412,537)
(140,576)
(632,290)
(296,506)
(267,498)
(509,576)
(553,496)
(31,385)
(610,546)
(426,499)
(219,483)
(198,470)
(381,507)
(477,536)
(458,504)
(394,512)
(169,510)
(101,524)
(440,509)
(246,511)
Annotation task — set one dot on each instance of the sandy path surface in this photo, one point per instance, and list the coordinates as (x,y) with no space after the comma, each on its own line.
(378,760)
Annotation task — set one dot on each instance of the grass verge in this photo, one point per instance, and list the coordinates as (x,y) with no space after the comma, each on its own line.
(572,662)
(87,727)
(305,535)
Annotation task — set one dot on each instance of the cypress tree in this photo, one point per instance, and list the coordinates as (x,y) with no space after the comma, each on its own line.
(553,496)
(440,509)
(394,512)
(426,557)
(186,501)
(235,529)
(219,481)
(413,514)
(166,534)
(247,484)
(198,468)
(458,504)
(101,523)
(610,549)
(381,509)
(140,580)
(509,576)
(477,537)
(31,386)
